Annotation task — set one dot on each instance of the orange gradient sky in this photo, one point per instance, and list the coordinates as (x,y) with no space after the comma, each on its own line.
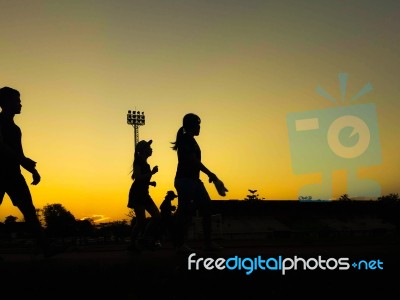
(242,66)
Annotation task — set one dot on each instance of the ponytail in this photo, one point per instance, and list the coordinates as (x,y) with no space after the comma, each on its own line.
(189,121)
(177,142)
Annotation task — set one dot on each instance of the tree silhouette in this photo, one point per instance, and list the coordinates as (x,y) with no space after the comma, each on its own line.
(15,228)
(303,198)
(116,230)
(389,198)
(10,219)
(85,229)
(131,214)
(59,221)
(344,197)
(253,196)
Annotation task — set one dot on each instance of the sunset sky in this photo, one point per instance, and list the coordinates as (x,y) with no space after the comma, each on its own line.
(242,65)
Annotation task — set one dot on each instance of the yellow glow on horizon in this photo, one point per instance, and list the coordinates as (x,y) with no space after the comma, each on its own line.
(242,67)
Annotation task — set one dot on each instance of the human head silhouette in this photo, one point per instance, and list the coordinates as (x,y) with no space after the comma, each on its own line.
(191,123)
(191,126)
(10,100)
(170,195)
(143,148)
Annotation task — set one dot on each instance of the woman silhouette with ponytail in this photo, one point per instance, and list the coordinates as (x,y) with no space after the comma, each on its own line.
(189,187)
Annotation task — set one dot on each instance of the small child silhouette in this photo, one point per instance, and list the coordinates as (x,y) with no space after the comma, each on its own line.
(167,213)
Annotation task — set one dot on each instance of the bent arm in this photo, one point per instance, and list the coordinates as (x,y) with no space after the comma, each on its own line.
(198,164)
(138,173)
(27,163)
(18,156)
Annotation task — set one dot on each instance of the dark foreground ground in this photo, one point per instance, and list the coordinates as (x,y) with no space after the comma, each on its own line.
(109,271)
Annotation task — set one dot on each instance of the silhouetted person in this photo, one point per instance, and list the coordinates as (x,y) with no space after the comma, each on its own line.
(143,235)
(167,211)
(12,157)
(192,193)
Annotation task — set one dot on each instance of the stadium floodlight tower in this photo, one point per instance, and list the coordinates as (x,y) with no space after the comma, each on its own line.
(136,119)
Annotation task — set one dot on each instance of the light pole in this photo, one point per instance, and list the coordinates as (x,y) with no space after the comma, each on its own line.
(136,119)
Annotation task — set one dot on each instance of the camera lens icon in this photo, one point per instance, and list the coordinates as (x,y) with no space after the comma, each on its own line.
(359,132)
(343,137)
(337,138)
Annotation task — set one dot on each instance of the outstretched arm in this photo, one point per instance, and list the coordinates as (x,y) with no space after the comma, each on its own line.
(211,175)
